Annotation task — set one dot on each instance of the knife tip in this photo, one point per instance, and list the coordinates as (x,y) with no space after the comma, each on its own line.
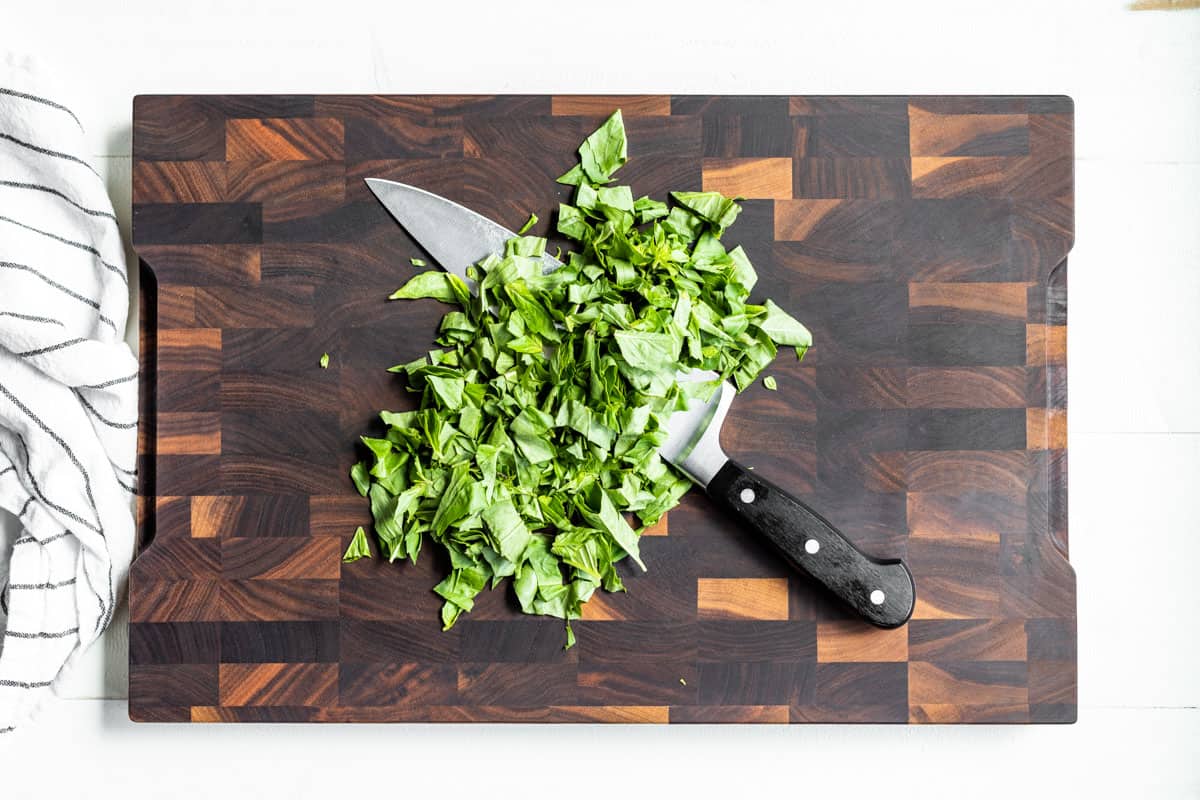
(378,185)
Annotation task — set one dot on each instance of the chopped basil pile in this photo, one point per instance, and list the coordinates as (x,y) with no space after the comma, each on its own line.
(535,447)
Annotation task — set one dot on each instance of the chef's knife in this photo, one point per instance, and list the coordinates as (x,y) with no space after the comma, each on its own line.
(881,591)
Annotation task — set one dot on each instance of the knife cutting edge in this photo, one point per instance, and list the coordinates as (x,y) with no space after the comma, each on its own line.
(881,591)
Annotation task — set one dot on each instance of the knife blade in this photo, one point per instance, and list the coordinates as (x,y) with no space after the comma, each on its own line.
(881,591)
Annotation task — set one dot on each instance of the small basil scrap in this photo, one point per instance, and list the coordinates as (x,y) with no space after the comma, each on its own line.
(531,457)
(358,547)
(529,223)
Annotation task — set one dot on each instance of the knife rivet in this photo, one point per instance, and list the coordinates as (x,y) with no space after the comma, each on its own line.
(812,546)
(747,495)
(877,597)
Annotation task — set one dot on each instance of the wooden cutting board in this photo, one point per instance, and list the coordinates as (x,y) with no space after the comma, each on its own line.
(922,239)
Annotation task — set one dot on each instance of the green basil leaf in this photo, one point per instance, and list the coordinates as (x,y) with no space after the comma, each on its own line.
(362,481)
(358,547)
(605,150)
(509,534)
(652,352)
(712,207)
(434,284)
(783,328)
(611,522)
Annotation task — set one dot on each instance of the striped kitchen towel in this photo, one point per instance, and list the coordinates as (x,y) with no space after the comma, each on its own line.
(68,398)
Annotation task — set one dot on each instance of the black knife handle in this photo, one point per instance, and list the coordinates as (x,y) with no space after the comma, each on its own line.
(882,592)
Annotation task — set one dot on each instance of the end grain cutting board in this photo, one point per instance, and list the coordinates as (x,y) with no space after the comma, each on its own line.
(922,239)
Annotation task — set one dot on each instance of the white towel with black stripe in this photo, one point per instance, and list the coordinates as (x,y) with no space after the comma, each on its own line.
(68,398)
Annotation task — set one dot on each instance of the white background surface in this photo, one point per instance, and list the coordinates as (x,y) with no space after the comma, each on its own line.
(1134,374)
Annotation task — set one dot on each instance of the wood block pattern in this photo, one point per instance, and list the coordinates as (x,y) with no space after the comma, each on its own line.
(283,139)
(848,641)
(751,178)
(278,684)
(922,239)
(742,598)
(189,433)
